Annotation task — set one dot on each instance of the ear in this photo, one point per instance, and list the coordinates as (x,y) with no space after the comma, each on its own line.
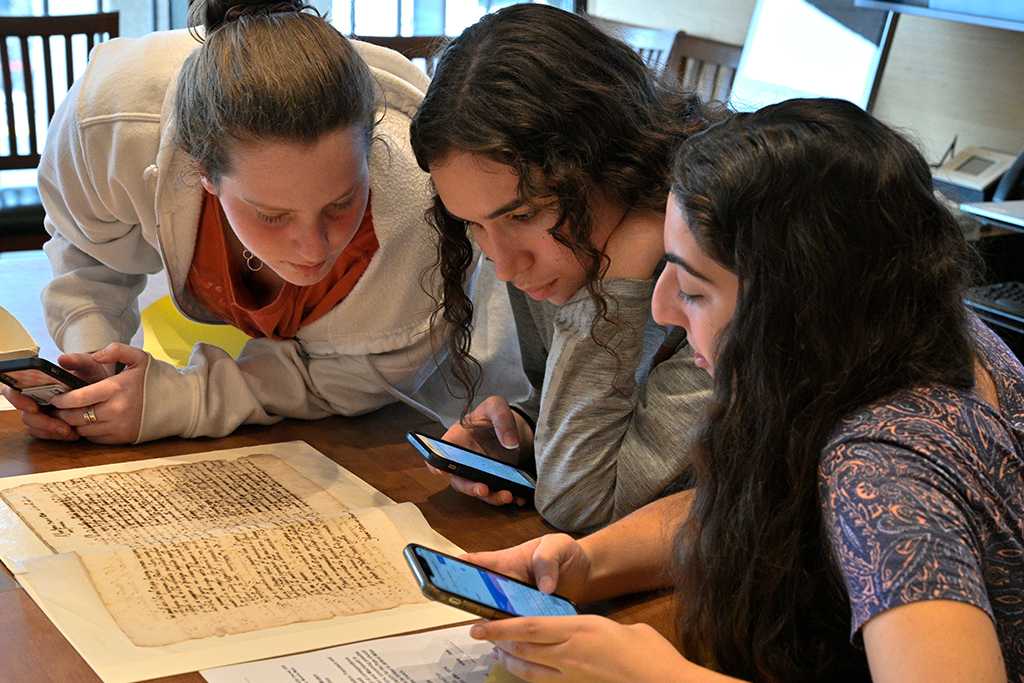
(207,185)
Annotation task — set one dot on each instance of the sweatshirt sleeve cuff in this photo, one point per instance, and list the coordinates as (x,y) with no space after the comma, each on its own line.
(167,404)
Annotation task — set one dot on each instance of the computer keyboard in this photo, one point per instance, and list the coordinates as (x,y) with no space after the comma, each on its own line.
(1005,298)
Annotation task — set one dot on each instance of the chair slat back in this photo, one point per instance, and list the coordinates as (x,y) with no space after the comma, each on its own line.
(705,66)
(653,45)
(25,125)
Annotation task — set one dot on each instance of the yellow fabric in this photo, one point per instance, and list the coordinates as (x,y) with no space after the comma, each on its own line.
(169,336)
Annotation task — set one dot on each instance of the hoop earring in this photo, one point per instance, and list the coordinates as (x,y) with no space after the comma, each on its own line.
(249,258)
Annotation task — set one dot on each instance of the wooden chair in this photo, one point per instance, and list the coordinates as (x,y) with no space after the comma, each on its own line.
(32,67)
(653,45)
(704,66)
(415,48)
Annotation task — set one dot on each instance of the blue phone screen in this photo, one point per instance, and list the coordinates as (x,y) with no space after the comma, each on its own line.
(493,590)
(471,459)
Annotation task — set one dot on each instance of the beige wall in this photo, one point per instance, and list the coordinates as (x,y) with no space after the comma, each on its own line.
(943,78)
(946,78)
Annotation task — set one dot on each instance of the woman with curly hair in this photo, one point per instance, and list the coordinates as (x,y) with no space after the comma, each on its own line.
(548,144)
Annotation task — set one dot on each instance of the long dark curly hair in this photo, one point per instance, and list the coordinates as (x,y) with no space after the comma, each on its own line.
(851,274)
(569,108)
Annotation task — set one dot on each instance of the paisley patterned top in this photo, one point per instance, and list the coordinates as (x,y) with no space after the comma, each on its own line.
(924,499)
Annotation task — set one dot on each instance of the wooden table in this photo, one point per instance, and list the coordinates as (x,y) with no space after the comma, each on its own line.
(373,447)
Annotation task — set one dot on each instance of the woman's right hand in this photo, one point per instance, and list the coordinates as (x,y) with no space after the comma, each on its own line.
(47,424)
(495,430)
(40,425)
(109,410)
(554,562)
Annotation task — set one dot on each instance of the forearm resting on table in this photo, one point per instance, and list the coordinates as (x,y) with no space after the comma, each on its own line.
(635,553)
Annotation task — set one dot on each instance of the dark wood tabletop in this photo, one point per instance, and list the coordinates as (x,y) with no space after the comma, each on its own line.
(373,447)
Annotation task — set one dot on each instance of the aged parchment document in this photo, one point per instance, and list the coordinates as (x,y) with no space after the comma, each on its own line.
(161,502)
(218,547)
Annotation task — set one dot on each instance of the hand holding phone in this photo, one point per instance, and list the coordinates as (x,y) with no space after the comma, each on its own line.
(37,378)
(462,462)
(480,591)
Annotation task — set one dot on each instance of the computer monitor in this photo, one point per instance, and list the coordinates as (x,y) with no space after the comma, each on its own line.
(812,48)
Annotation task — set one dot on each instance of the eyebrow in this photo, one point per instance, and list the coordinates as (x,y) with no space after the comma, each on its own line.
(500,211)
(268,208)
(672,258)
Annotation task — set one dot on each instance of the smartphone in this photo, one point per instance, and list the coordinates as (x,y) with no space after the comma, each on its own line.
(37,378)
(480,591)
(474,466)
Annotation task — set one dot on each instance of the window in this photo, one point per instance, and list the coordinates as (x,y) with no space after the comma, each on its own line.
(368,17)
(365,17)
(27,177)
(415,17)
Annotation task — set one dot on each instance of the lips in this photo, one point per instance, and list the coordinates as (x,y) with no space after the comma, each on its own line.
(310,269)
(538,293)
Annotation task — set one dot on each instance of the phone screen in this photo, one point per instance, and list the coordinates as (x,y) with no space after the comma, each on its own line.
(35,384)
(494,590)
(476,461)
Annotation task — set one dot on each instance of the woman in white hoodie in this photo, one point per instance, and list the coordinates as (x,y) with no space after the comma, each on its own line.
(266,171)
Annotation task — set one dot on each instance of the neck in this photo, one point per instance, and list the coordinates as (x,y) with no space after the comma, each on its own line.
(985,386)
(633,241)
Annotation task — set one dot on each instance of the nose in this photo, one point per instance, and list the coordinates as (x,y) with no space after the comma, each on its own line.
(666,307)
(510,259)
(311,240)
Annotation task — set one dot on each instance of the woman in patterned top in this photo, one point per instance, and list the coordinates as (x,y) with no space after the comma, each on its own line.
(858,512)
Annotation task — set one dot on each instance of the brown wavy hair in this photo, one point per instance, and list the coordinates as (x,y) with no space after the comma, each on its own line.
(569,108)
(851,274)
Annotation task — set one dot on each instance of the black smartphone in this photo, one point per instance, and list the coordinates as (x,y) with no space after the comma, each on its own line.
(474,466)
(37,378)
(480,591)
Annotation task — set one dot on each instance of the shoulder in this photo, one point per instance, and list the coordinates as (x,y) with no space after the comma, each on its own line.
(132,75)
(915,492)
(922,497)
(931,446)
(911,441)
(401,189)
(937,427)
(402,83)
(1005,369)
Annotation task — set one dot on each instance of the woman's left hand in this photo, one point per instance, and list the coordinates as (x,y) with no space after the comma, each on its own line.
(583,648)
